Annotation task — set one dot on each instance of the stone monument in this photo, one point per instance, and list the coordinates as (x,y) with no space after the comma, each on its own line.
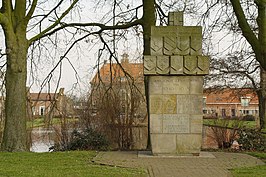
(175,69)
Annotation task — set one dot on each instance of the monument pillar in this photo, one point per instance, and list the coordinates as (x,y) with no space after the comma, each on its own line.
(175,69)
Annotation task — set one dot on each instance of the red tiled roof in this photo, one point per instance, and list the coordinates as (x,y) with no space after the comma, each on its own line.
(135,70)
(42,96)
(230,95)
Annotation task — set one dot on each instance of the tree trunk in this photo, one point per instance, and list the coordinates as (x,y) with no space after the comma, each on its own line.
(148,21)
(262,99)
(15,132)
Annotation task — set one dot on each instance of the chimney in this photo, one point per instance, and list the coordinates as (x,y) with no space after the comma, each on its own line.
(124,58)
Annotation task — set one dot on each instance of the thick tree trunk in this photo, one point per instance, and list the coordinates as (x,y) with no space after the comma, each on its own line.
(148,21)
(15,133)
(262,99)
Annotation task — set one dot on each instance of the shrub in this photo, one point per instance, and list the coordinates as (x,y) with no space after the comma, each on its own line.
(252,140)
(248,118)
(88,139)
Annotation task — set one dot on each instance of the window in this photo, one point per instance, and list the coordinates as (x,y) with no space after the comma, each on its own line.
(41,110)
(233,112)
(204,101)
(223,113)
(33,111)
(245,101)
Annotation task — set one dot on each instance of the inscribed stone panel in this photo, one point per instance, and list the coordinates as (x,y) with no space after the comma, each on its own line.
(176,63)
(149,64)
(189,104)
(163,143)
(196,85)
(176,123)
(188,143)
(190,64)
(163,64)
(156,85)
(176,85)
(156,123)
(196,124)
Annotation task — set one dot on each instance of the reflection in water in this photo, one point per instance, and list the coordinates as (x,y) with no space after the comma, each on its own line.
(42,139)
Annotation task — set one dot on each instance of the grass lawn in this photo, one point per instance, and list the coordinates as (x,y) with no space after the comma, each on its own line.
(230,123)
(39,122)
(257,171)
(65,164)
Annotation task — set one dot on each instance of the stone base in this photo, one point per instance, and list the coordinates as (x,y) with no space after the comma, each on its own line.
(149,154)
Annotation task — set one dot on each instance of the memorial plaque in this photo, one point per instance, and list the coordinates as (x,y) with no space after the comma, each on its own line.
(176,85)
(176,65)
(163,65)
(149,65)
(156,121)
(196,124)
(176,123)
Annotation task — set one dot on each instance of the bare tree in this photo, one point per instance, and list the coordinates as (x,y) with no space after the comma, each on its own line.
(16,19)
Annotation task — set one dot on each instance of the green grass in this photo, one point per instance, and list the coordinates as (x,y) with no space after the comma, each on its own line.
(57,164)
(39,122)
(230,123)
(257,171)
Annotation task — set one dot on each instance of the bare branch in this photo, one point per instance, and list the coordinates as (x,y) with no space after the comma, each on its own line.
(57,22)
(243,24)
(32,9)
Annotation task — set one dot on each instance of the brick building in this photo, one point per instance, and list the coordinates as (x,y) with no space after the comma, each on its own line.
(230,102)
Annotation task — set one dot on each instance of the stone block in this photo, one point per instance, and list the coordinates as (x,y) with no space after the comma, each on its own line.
(156,104)
(176,85)
(176,65)
(149,65)
(170,46)
(176,123)
(189,104)
(156,85)
(196,45)
(156,123)
(163,65)
(196,85)
(183,44)
(163,143)
(169,104)
(175,19)
(203,65)
(187,144)
(162,104)
(190,65)
(196,124)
